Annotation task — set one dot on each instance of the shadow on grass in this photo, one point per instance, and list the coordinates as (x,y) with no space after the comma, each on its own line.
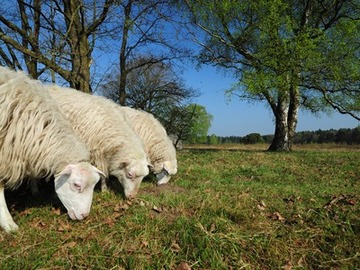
(22,198)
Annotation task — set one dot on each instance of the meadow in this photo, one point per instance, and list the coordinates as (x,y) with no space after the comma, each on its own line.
(233,207)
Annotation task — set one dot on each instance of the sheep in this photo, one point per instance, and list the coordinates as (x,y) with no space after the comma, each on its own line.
(114,147)
(158,146)
(36,142)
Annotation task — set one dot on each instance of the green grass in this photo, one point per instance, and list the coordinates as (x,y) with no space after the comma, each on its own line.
(225,209)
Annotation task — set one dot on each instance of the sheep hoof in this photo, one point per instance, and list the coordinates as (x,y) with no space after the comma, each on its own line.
(10,227)
(104,189)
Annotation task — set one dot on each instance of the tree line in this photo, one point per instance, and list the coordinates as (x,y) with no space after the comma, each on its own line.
(340,136)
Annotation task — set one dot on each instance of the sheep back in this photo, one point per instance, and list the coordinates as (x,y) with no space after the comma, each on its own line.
(158,146)
(35,139)
(104,129)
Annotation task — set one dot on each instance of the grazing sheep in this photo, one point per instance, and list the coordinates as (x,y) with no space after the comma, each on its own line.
(114,147)
(158,146)
(36,141)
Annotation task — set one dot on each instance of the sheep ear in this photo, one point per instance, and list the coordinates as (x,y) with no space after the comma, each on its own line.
(124,164)
(98,171)
(165,168)
(67,170)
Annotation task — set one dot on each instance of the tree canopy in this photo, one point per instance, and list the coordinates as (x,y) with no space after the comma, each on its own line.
(288,54)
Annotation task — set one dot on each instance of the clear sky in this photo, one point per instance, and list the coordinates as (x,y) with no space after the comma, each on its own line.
(239,118)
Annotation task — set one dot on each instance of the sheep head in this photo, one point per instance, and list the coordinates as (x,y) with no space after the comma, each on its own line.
(75,186)
(130,174)
(169,168)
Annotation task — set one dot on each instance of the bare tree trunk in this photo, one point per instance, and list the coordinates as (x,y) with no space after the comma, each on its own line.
(31,62)
(123,56)
(281,136)
(293,113)
(286,115)
(80,49)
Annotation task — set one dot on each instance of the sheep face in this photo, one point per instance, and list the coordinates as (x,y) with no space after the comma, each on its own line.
(130,174)
(75,187)
(169,168)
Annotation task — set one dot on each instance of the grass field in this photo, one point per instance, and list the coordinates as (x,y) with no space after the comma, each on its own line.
(234,208)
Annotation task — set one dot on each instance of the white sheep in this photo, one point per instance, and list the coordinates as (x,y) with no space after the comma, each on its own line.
(36,141)
(114,147)
(158,146)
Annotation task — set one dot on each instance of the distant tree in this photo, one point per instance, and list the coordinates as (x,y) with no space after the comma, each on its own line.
(288,54)
(213,139)
(252,138)
(199,123)
(157,89)
(150,87)
(343,135)
(355,135)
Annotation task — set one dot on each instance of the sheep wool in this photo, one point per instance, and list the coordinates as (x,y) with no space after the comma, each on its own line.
(36,141)
(35,138)
(114,147)
(158,146)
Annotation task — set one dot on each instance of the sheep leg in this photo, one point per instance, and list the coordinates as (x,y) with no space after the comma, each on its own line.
(104,187)
(6,221)
(34,188)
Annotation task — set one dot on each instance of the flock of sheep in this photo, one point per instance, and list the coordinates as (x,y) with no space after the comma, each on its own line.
(47,130)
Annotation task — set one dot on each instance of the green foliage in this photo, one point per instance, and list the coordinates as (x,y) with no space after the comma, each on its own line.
(199,125)
(213,139)
(288,54)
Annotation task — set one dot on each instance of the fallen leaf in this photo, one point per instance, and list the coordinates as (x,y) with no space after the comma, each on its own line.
(129,202)
(115,215)
(175,247)
(261,206)
(142,203)
(288,266)
(38,223)
(277,216)
(63,226)
(183,266)
(351,201)
(25,212)
(144,243)
(121,207)
(56,211)
(70,244)
(212,228)
(156,209)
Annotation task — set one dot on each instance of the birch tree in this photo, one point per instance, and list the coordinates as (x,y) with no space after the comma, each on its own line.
(287,54)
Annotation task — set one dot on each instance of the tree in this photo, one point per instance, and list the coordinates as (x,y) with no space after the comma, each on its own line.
(143,28)
(252,138)
(199,123)
(152,86)
(157,89)
(288,54)
(213,139)
(60,35)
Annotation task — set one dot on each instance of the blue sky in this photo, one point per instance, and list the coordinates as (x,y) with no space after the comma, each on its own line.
(240,118)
